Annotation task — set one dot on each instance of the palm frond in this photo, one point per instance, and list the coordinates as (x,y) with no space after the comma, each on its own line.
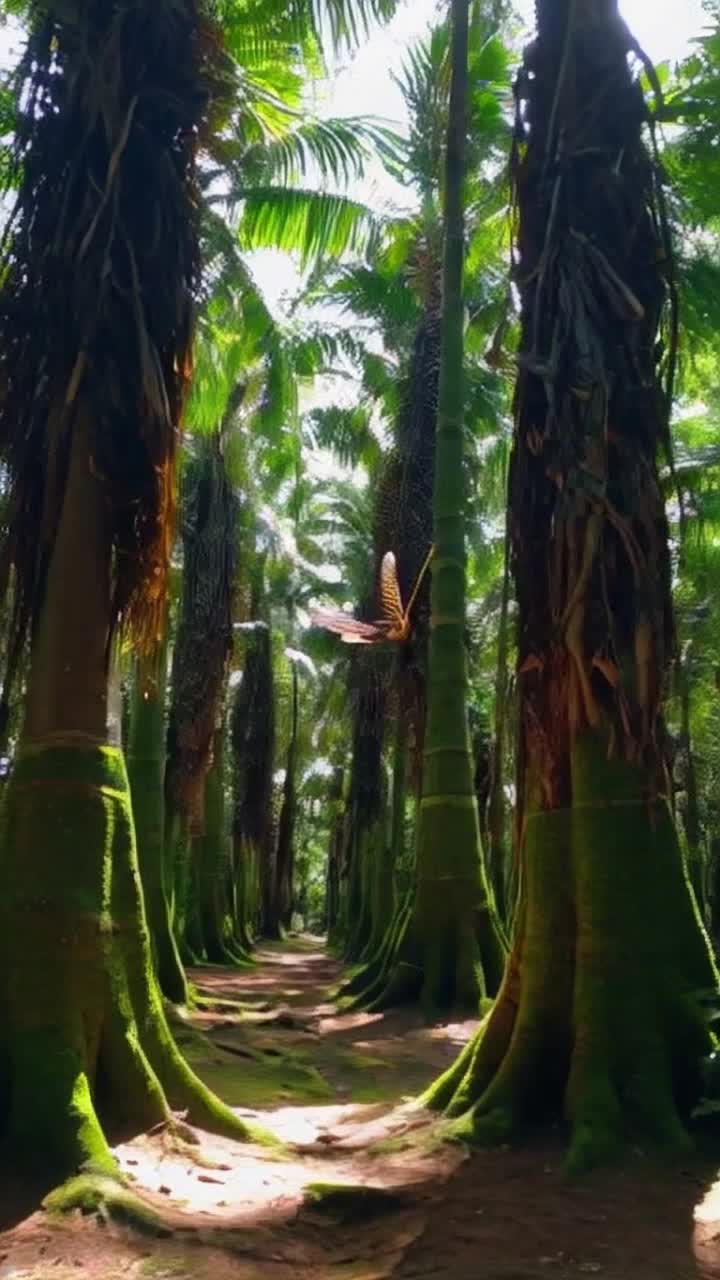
(332,150)
(309,223)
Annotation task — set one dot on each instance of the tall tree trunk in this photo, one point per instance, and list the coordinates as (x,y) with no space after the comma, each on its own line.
(497,859)
(365,802)
(288,812)
(146,772)
(253,742)
(81,1015)
(597,1014)
(451,950)
(335,856)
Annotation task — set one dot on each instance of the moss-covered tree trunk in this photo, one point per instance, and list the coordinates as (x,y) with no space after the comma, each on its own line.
(597,1015)
(146,771)
(451,950)
(84,1043)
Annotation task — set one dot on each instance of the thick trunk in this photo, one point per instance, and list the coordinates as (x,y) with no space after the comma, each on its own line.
(83,1035)
(146,772)
(597,1014)
(452,938)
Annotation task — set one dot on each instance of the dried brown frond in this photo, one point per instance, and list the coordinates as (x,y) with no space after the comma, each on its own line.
(100,272)
(588,527)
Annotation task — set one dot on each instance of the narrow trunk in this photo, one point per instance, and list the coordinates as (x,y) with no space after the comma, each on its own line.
(334,862)
(497,858)
(451,951)
(212,853)
(252,731)
(691,813)
(146,771)
(366,803)
(288,813)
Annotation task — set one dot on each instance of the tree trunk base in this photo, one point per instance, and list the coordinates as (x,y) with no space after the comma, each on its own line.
(597,1017)
(97,1193)
(83,1033)
(449,963)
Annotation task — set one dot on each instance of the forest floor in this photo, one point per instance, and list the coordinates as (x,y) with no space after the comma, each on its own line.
(335,1088)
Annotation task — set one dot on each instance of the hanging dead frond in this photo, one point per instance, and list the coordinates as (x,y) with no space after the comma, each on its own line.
(588,529)
(100,271)
(393,627)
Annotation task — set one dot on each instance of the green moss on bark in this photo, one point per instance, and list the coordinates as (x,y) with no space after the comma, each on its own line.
(83,1036)
(109,1197)
(597,1017)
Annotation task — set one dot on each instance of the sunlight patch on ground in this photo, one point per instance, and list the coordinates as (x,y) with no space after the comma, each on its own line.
(708,1209)
(330,1144)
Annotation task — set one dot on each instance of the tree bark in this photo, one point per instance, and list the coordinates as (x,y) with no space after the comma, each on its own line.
(451,951)
(146,772)
(84,1041)
(288,813)
(597,1016)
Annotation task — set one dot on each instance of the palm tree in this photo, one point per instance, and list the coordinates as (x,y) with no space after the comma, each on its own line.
(400,292)
(456,927)
(597,1013)
(100,275)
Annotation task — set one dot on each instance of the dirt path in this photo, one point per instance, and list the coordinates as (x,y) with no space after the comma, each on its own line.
(335,1089)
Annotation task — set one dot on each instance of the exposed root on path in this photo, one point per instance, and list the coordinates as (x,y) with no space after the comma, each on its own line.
(360,1184)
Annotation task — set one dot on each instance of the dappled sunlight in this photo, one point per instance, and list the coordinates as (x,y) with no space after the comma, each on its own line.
(245,1212)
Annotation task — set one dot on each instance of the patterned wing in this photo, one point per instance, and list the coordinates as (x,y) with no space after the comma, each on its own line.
(350,630)
(390,597)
